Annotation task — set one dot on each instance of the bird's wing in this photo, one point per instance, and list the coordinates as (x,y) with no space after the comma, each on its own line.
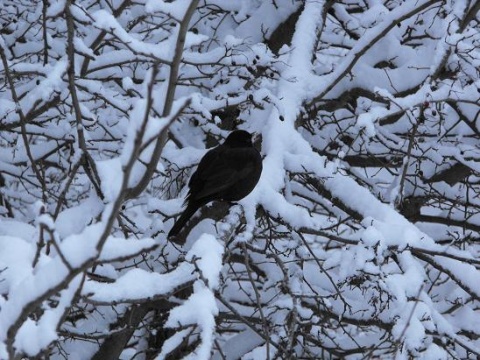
(204,166)
(219,169)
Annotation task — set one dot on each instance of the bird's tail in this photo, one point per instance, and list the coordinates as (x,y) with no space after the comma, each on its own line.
(182,220)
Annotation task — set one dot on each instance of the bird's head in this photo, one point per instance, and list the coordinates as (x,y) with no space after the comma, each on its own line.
(239,138)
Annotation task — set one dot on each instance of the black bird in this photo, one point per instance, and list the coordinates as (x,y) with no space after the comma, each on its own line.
(228,172)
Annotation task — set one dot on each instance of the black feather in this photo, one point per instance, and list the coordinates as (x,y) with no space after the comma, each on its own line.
(228,172)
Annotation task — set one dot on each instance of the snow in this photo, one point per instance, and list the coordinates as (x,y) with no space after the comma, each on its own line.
(16,258)
(365,42)
(34,336)
(138,284)
(270,15)
(176,10)
(52,83)
(356,237)
(55,7)
(201,309)
(366,122)
(74,219)
(207,254)
(239,344)
(106,21)
(117,248)
(108,171)
(89,238)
